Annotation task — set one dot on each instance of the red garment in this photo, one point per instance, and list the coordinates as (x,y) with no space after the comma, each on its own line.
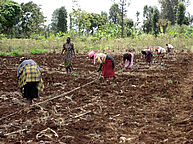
(108,70)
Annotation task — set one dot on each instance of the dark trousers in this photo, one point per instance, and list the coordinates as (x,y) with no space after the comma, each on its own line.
(30,90)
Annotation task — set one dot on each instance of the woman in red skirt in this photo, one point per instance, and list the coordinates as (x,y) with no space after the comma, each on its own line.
(107,63)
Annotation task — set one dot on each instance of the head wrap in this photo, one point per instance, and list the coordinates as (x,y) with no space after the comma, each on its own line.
(92,54)
(68,39)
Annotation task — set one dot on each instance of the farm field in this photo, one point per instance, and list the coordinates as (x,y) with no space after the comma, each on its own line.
(142,105)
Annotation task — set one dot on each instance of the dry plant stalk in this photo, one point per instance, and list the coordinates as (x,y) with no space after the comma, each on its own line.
(47,133)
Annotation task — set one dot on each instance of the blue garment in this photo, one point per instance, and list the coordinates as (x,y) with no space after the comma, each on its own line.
(24,63)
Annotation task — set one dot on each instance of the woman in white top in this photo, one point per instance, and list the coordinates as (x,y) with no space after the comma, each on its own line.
(161,51)
(169,47)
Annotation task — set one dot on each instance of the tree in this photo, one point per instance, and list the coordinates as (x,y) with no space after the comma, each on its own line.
(147,14)
(189,19)
(118,13)
(114,14)
(86,22)
(32,19)
(128,23)
(137,23)
(162,25)
(123,4)
(181,13)
(59,20)
(169,9)
(104,17)
(155,19)
(10,13)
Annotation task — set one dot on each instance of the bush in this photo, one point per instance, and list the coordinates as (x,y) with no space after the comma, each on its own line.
(3,54)
(2,36)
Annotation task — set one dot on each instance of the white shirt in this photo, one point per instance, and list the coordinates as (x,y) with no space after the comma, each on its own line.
(170,46)
(161,50)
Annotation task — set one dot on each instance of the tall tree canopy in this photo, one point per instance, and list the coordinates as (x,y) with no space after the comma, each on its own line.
(32,19)
(147,14)
(117,13)
(87,22)
(114,14)
(59,20)
(169,9)
(155,19)
(181,13)
(10,13)
(123,4)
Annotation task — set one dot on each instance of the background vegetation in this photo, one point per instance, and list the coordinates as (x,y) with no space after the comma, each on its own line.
(22,29)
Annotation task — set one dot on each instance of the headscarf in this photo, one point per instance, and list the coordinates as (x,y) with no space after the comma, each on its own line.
(92,54)
(68,39)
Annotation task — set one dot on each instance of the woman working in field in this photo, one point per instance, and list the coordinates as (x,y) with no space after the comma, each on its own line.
(148,55)
(68,47)
(107,64)
(128,60)
(169,47)
(160,52)
(29,79)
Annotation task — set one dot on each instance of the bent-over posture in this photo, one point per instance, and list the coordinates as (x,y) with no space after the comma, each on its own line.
(107,63)
(128,60)
(29,79)
(169,47)
(148,55)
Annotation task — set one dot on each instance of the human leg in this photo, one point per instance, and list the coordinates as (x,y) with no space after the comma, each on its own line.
(30,92)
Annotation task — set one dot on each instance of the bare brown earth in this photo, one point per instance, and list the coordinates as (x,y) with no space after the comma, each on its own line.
(142,105)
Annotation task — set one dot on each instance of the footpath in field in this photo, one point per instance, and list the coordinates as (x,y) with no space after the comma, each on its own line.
(144,105)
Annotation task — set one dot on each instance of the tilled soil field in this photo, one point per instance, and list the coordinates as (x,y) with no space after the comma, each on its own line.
(142,105)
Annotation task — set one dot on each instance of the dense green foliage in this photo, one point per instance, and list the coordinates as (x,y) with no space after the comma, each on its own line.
(10,13)
(90,30)
(179,36)
(114,14)
(59,20)
(155,19)
(170,10)
(181,13)
(32,19)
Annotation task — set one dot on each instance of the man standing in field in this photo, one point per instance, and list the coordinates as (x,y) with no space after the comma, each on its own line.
(29,79)
(68,47)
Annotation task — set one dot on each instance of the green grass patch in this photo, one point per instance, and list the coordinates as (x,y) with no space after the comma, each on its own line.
(3,54)
(38,51)
(15,52)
